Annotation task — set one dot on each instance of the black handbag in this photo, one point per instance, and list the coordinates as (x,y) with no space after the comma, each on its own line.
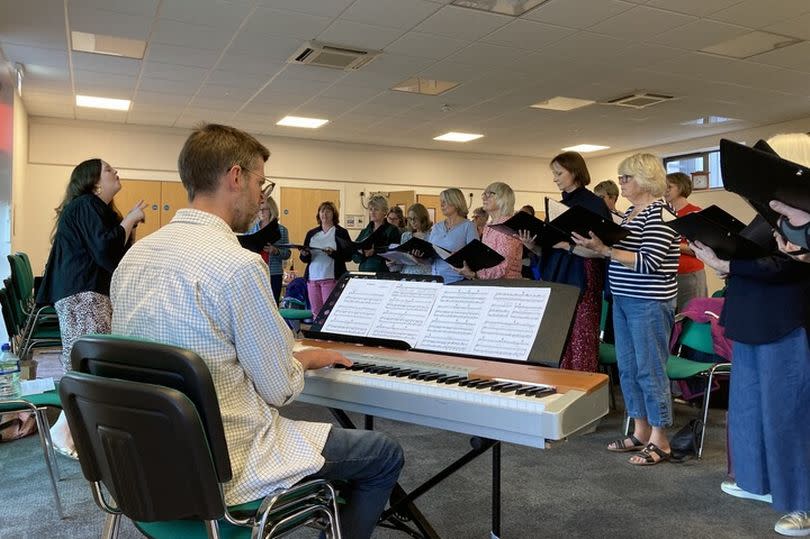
(686,442)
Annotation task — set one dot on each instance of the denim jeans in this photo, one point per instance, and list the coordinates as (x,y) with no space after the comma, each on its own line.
(768,425)
(370,462)
(642,329)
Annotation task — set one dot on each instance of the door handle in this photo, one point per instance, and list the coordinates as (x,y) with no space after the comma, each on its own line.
(165,207)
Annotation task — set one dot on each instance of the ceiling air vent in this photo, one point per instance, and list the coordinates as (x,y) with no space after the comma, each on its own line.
(319,54)
(638,101)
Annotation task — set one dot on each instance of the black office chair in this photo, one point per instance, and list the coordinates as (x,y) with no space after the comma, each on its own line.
(129,407)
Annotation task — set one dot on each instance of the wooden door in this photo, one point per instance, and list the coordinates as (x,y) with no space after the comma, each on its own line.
(298,207)
(431,202)
(401,198)
(173,196)
(134,190)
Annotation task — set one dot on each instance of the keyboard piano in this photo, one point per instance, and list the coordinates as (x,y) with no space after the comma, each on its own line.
(521,404)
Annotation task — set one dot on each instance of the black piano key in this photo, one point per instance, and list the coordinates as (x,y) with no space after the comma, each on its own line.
(545,392)
(394,371)
(432,376)
(477,382)
(384,370)
(467,381)
(405,372)
(506,387)
(486,384)
(339,366)
(453,380)
(416,374)
(442,378)
(498,385)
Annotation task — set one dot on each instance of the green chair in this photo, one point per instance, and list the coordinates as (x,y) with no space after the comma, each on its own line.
(607,355)
(41,334)
(38,404)
(294,312)
(697,336)
(147,426)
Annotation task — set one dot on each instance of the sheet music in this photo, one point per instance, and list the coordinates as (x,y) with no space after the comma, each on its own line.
(488,321)
(554,208)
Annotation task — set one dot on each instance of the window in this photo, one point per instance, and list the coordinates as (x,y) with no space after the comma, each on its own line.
(698,162)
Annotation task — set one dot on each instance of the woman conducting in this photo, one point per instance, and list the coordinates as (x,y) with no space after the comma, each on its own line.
(89,240)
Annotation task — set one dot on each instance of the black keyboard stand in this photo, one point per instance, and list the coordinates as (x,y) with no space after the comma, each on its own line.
(402,507)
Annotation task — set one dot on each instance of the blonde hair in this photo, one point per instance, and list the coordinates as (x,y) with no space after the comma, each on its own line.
(794,147)
(454,197)
(648,171)
(378,202)
(504,197)
(273,207)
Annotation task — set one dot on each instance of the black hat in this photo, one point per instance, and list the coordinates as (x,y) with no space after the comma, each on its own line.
(759,175)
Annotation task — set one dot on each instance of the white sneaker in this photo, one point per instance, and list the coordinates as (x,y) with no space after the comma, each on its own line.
(796,524)
(730,487)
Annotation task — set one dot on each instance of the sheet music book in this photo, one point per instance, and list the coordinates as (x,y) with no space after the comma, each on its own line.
(255,242)
(521,221)
(720,231)
(416,311)
(476,254)
(564,220)
(405,258)
(759,176)
(375,239)
(297,246)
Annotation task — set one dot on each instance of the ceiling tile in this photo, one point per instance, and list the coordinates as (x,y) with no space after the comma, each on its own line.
(220,92)
(398,65)
(586,45)
(524,34)
(796,27)
(40,23)
(699,34)
(250,64)
(700,8)
(249,79)
(483,54)
(346,91)
(756,13)
(91,79)
(355,34)
(327,8)
(186,88)
(158,70)
(146,97)
(184,34)
(426,45)
(27,55)
(145,8)
(109,23)
(577,13)
(186,56)
(641,23)
(394,13)
(102,63)
(274,49)
(227,104)
(276,22)
(461,23)
(223,14)
(794,57)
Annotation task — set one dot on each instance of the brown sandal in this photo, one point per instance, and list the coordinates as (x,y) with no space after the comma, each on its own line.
(619,446)
(647,454)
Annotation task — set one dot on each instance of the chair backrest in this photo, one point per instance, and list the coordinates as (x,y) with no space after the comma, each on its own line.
(8,316)
(697,336)
(146,444)
(112,356)
(15,309)
(19,278)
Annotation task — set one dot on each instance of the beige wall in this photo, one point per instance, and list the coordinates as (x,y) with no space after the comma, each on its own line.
(19,167)
(151,153)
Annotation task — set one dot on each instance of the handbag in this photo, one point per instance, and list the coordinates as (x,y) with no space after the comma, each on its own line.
(686,442)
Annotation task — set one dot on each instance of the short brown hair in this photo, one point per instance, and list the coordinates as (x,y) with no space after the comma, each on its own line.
(607,188)
(335,213)
(575,164)
(682,181)
(422,217)
(210,151)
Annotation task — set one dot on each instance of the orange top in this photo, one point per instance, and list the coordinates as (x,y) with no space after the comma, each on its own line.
(688,263)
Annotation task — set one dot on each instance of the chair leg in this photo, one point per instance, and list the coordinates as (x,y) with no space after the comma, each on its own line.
(111,525)
(212,529)
(626,424)
(50,462)
(611,386)
(51,451)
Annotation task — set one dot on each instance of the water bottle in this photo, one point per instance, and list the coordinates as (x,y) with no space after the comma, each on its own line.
(9,373)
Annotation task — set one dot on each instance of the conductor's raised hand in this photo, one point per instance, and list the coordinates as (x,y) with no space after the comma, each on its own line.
(136,214)
(316,358)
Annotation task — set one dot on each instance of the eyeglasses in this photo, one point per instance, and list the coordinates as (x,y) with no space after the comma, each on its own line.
(624,178)
(487,194)
(267,184)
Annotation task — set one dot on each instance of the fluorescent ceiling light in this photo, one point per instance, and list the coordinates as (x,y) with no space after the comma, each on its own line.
(751,44)
(102,102)
(585,148)
(298,121)
(109,45)
(563,103)
(709,120)
(418,85)
(453,136)
(515,8)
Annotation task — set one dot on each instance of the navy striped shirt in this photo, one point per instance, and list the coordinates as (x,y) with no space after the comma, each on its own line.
(656,248)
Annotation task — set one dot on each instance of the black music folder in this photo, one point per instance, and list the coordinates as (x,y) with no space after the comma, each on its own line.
(476,254)
(581,220)
(521,221)
(719,230)
(402,253)
(376,239)
(255,242)
(759,175)
(514,320)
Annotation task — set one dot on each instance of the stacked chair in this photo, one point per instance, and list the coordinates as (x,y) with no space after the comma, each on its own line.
(147,426)
(28,326)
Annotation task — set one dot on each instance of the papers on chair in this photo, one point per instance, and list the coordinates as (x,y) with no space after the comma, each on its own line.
(720,231)
(37,386)
(486,321)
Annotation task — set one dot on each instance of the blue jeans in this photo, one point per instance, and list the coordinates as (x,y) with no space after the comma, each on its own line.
(370,462)
(769,430)
(642,328)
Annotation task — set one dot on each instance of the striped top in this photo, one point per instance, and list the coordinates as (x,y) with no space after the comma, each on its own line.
(656,248)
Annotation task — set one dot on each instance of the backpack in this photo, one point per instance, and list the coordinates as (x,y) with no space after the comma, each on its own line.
(686,442)
(16,425)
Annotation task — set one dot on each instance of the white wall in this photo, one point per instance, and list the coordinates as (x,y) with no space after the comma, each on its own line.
(19,167)
(56,146)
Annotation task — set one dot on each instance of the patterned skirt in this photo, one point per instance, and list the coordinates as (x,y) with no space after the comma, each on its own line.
(80,315)
(582,349)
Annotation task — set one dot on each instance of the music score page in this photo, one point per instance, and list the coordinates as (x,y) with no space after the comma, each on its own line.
(487,321)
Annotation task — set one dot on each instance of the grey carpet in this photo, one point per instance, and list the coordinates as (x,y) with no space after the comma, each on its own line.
(574,489)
